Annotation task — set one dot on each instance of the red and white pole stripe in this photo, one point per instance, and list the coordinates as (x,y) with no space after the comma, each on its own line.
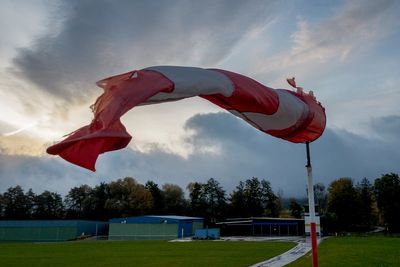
(311,205)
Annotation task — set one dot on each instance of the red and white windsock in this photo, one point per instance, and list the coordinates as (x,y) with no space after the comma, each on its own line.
(293,116)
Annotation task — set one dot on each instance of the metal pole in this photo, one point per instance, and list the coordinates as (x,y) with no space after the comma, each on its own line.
(311,205)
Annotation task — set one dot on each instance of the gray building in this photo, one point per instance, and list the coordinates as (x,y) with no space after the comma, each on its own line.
(153,227)
(262,226)
(49,230)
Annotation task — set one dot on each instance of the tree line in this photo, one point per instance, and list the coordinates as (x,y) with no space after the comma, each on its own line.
(343,206)
(127,197)
(349,207)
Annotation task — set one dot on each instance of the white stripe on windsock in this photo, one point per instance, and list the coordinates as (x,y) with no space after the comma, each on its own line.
(291,111)
(191,81)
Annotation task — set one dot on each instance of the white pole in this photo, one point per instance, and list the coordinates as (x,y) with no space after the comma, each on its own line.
(311,206)
(310,186)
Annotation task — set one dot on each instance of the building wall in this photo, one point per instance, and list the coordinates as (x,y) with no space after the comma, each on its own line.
(197,225)
(262,227)
(142,231)
(49,230)
(154,227)
(185,228)
(37,233)
(188,227)
(91,228)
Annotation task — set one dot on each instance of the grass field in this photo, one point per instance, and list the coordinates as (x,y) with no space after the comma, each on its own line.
(139,253)
(356,251)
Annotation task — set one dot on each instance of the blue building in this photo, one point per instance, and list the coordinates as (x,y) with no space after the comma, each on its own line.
(153,227)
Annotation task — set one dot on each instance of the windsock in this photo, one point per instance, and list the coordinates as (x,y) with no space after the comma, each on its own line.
(293,116)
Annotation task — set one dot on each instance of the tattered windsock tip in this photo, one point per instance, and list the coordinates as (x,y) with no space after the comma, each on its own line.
(292,82)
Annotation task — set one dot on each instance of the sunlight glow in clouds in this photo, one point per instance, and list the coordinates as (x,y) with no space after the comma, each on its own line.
(21,129)
(311,48)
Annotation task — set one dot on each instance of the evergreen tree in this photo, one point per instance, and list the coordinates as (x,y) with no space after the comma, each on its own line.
(343,202)
(366,214)
(49,205)
(79,202)
(296,210)
(158,197)
(15,204)
(238,202)
(197,199)
(270,202)
(253,197)
(387,193)
(215,199)
(99,195)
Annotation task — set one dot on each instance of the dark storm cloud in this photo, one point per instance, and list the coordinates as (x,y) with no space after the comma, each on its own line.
(336,154)
(39,173)
(242,152)
(101,38)
(388,127)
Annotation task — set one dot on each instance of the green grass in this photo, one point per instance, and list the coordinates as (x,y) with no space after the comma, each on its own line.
(139,253)
(356,251)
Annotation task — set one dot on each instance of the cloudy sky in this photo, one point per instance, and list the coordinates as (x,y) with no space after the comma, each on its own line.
(53,52)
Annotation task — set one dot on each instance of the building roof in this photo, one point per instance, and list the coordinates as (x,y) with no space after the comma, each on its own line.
(43,223)
(155,219)
(175,217)
(260,220)
(264,218)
